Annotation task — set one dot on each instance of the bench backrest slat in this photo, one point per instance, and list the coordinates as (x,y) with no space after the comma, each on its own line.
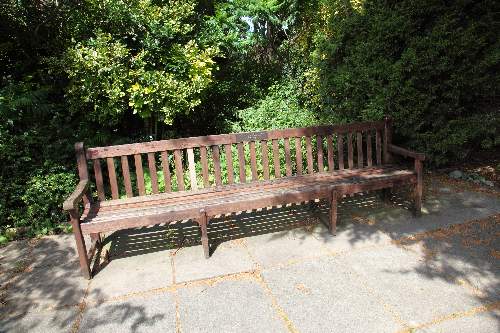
(319,148)
(228,149)
(140,174)
(179,174)
(265,159)
(126,176)
(165,165)
(110,161)
(198,162)
(369,161)
(152,173)
(98,180)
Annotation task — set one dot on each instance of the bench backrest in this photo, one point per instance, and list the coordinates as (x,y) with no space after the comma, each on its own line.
(188,164)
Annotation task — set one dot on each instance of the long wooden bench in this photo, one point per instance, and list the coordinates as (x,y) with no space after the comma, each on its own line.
(205,176)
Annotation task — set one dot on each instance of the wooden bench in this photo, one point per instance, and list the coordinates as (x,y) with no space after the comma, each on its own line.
(210,175)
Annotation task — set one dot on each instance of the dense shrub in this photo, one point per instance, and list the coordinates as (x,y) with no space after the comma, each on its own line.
(281,108)
(432,65)
(42,200)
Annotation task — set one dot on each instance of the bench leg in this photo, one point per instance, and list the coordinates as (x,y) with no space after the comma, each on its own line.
(203,221)
(80,245)
(333,213)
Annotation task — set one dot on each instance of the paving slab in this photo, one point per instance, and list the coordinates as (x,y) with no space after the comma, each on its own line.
(228,258)
(152,313)
(402,280)
(55,250)
(285,246)
(351,235)
(13,255)
(46,288)
(14,258)
(438,212)
(40,322)
(133,274)
(228,306)
(322,296)
(485,322)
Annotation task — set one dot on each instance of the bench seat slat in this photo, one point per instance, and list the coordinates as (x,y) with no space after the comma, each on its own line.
(166,208)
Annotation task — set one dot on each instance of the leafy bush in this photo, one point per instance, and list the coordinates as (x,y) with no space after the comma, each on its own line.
(281,108)
(43,197)
(432,65)
(141,56)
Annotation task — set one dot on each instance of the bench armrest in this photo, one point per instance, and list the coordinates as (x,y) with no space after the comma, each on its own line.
(405,152)
(76,196)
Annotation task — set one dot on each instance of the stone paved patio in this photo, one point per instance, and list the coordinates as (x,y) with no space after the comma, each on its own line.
(274,270)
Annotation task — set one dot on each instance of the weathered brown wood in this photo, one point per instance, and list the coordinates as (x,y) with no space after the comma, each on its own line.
(337,176)
(179,171)
(221,204)
(405,152)
(350,153)
(378,147)
(166,171)
(359,146)
(192,169)
(265,160)
(329,147)
(319,144)
(200,204)
(204,166)
(194,142)
(83,171)
(217,170)
(298,155)
(369,158)
(276,158)
(309,156)
(152,173)
(253,161)
(340,150)
(229,163)
(71,203)
(387,139)
(288,158)
(241,162)
(140,174)
(112,177)
(80,244)
(98,180)
(126,176)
